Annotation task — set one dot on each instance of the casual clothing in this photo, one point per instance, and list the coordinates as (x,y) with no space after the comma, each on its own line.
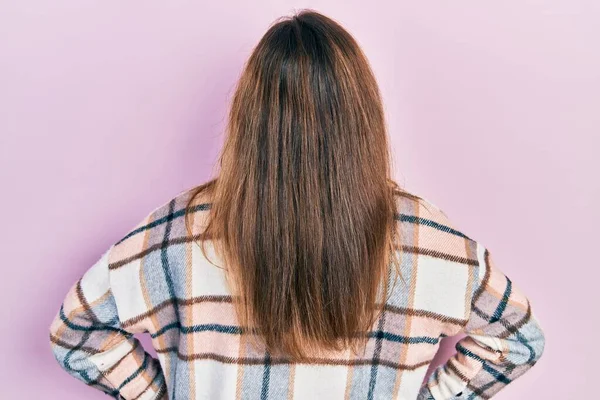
(156,280)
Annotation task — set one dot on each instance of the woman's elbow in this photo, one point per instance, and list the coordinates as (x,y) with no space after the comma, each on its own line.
(58,336)
(541,344)
(53,336)
(537,342)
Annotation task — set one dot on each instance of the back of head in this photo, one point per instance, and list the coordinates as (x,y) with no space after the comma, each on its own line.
(303,206)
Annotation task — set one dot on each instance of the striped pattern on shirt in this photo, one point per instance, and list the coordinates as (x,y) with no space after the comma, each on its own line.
(156,280)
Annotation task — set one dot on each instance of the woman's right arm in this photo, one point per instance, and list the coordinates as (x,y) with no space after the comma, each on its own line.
(90,343)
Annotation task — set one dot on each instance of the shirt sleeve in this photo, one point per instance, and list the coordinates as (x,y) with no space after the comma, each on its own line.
(503,340)
(89,342)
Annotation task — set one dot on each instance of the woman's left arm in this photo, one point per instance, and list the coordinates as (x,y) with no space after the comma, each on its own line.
(503,340)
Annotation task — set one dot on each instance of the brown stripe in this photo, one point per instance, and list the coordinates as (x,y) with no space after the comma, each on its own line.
(478,391)
(189,293)
(510,328)
(439,254)
(239,382)
(229,299)
(162,391)
(486,278)
(154,322)
(425,313)
(66,345)
(158,371)
(513,328)
(85,304)
(291,382)
(102,383)
(183,302)
(411,297)
(452,367)
(147,314)
(470,251)
(187,239)
(116,365)
(280,361)
(139,359)
(211,298)
(348,388)
(81,308)
(158,246)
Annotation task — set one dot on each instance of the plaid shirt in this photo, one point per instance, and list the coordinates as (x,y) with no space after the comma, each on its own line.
(156,280)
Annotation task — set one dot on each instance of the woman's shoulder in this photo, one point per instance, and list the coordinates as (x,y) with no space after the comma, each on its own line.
(167,223)
(425,223)
(412,207)
(444,262)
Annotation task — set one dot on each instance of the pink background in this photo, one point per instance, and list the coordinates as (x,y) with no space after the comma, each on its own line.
(108,109)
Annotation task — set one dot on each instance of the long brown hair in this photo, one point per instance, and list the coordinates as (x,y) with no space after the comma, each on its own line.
(302,211)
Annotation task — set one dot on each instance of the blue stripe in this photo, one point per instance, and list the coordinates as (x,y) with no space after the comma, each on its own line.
(502,306)
(376,354)
(135,373)
(468,353)
(524,342)
(171,216)
(165,259)
(403,339)
(212,327)
(165,263)
(198,328)
(482,389)
(106,389)
(92,328)
(158,377)
(264,393)
(520,338)
(164,329)
(83,373)
(206,206)
(236,330)
(67,360)
(495,373)
(424,221)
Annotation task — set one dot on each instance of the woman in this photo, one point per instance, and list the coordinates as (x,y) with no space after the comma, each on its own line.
(302,270)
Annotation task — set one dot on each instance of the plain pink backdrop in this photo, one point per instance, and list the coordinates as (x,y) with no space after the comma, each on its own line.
(108,109)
